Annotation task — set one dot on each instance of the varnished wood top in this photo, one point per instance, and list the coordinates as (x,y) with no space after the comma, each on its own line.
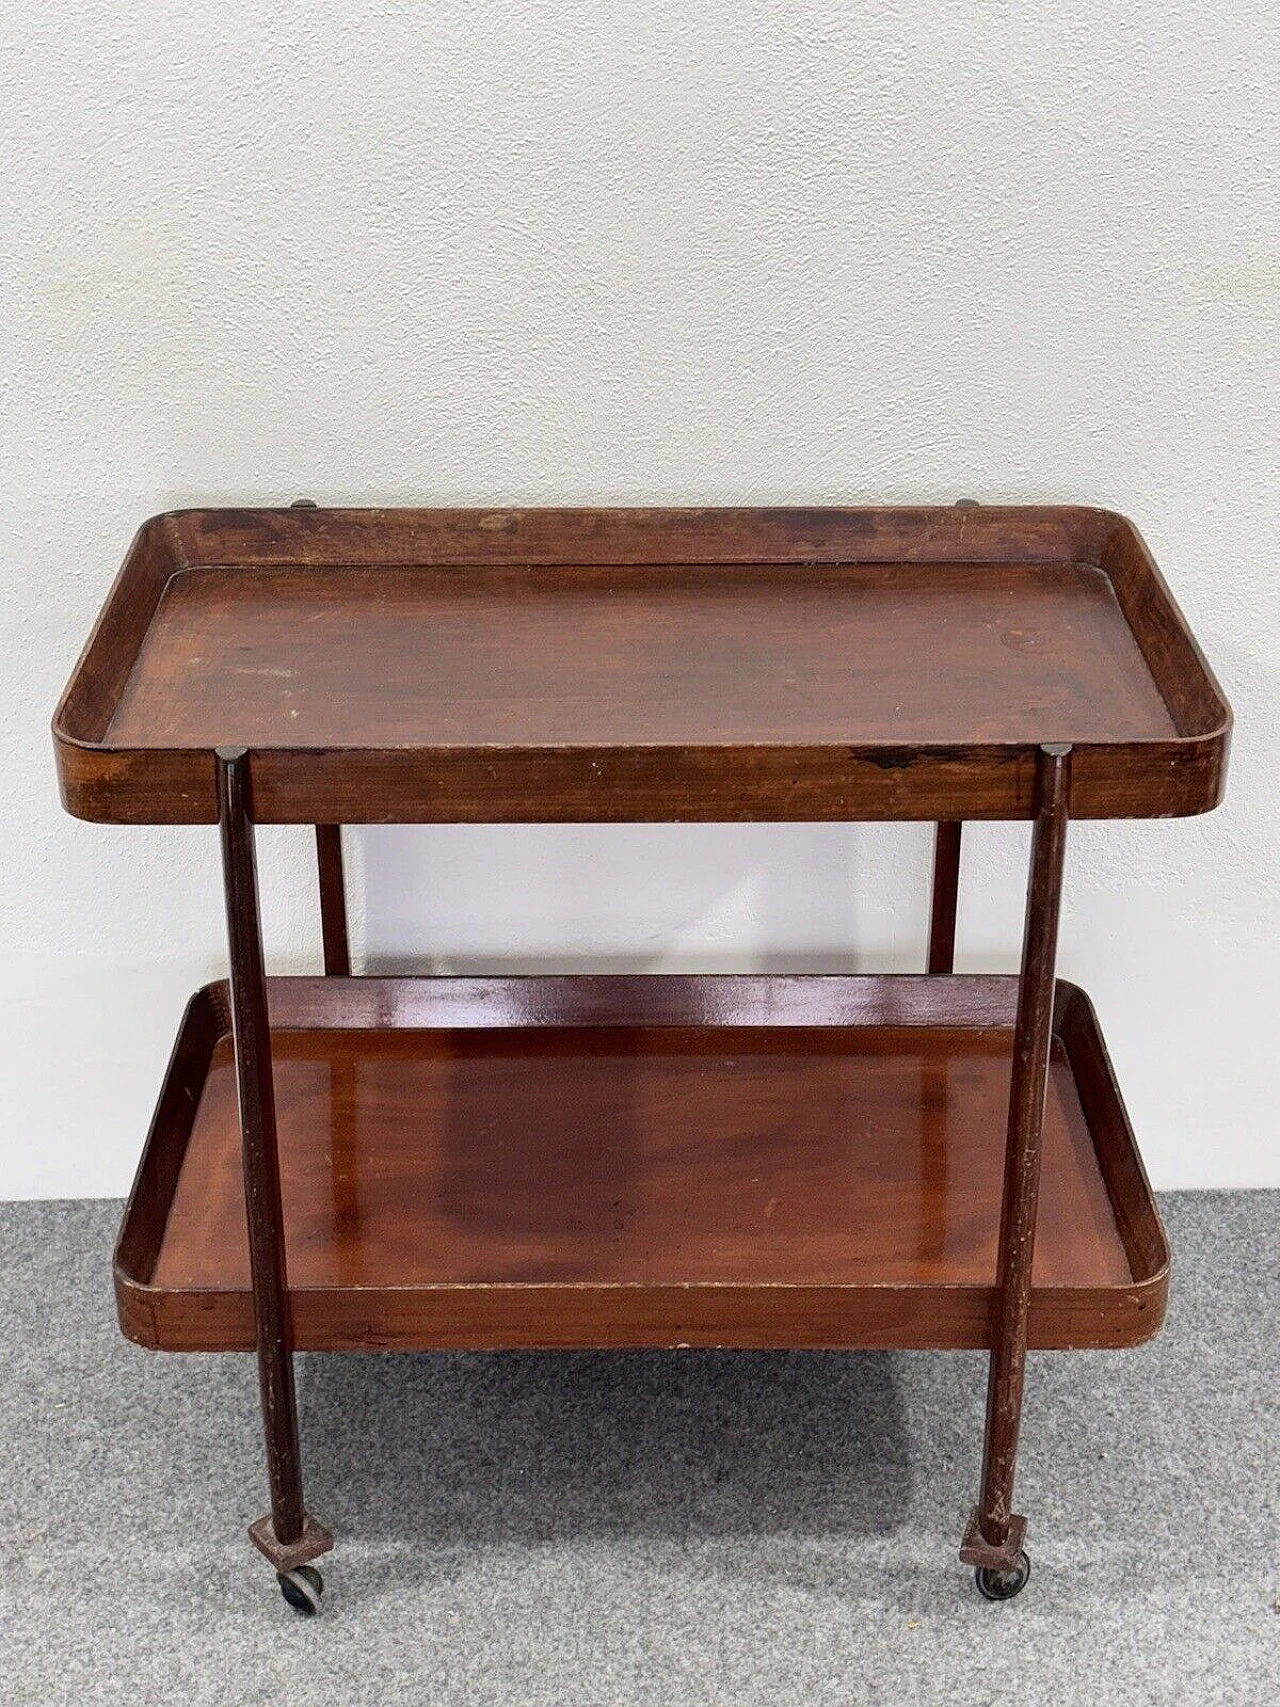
(433,665)
(788,1161)
(295,657)
(639,1157)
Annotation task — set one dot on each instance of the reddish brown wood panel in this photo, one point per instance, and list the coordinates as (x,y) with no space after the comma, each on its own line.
(426,666)
(638,1183)
(638,1157)
(638,657)
(989,533)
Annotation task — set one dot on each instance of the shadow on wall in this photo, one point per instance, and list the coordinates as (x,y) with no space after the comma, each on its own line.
(634,898)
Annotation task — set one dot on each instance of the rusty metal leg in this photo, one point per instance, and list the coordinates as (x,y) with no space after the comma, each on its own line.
(946,886)
(333,901)
(993,1539)
(288,1537)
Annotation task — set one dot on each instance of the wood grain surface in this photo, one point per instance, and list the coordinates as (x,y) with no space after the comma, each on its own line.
(442,666)
(643,656)
(530,1180)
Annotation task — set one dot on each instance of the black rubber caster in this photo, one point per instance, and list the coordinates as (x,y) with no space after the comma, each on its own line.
(302,1589)
(1003,1585)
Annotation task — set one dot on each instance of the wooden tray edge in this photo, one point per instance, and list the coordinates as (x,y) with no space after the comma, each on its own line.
(1179,777)
(707,534)
(465,1316)
(710,1317)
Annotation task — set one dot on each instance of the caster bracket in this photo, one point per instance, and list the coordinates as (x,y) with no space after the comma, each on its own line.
(986,1555)
(287,1556)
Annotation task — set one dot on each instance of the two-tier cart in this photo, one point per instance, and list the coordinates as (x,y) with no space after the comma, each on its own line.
(757,1161)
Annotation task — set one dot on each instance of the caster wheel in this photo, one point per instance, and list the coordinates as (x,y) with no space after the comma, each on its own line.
(302,1589)
(1003,1585)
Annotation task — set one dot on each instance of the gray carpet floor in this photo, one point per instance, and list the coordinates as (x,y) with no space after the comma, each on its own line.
(641,1528)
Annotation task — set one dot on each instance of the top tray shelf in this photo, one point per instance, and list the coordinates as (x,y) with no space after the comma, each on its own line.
(421,666)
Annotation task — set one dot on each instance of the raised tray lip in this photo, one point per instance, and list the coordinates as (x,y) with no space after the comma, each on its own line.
(1159,776)
(1134,1312)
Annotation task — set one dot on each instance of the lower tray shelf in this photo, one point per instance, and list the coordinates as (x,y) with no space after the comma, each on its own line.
(640,1161)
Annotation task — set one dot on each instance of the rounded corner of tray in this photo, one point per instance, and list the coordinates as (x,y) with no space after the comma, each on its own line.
(1074,1013)
(135,1307)
(1213,751)
(160,521)
(1099,527)
(1106,517)
(1070,995)
(211,1001)
(75,777)
(1150,1305)
(1197,772)
(103,784)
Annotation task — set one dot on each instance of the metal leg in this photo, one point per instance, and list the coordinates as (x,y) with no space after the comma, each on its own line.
(993,1539)
(288,1537)
(946,885)
(333,901)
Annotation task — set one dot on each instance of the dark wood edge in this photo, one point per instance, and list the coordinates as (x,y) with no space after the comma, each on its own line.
(206,1018)
(534,1318)
(939,1318)
(944,897)
(84,711)
(1157,778)
(1181,671)
(154,557)
(561,538)
(331,873)
(790,1000)
(1138,1218)
(451,785)
(838,1317)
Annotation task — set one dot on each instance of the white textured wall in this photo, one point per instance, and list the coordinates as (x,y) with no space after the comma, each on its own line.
(640,252)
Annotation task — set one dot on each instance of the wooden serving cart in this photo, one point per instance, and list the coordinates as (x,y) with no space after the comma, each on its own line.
(757,1161)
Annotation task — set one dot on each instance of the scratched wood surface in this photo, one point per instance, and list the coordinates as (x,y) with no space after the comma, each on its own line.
(547,1182)
(436,666)
(636,656)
